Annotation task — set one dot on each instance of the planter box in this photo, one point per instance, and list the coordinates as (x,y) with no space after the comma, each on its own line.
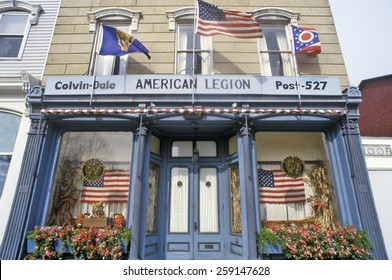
(96,222)
(58,243)
(274,249)
(57,246)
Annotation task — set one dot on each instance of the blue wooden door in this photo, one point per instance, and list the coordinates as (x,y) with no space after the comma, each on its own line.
(196,217)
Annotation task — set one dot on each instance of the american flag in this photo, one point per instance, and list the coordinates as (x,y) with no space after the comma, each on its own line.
(112,188)
(212,20)
(276,188)
(306,40)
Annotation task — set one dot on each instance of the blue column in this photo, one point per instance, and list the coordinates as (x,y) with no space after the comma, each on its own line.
(249,197)
(135,204)
(14,236)
(359,174)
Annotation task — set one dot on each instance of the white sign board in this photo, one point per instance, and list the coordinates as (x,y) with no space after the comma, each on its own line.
(186,84)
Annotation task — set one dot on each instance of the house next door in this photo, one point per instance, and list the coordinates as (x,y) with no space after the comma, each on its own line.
(195,213)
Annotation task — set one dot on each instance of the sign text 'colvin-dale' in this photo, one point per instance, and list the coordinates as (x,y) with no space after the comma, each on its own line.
(192,84)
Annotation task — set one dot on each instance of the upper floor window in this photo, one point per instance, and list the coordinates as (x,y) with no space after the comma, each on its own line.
(13,28)
(275,49)
(16,17)
(120,18)
(193,53)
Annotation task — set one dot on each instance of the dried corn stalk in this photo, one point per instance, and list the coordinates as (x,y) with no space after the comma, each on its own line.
(320,201)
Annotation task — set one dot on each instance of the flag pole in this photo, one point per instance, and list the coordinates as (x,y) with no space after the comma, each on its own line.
(196,15)
(93,65)
(295,66)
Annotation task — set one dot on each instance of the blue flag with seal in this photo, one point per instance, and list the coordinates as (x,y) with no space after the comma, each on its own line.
(117,42)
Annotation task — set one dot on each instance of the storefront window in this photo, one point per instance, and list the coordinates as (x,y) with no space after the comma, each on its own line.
(235,200)
(93,168)
(152,204)
(294,178)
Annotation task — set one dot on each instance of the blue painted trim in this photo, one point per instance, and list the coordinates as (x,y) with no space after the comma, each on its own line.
(244,213)
(347,205)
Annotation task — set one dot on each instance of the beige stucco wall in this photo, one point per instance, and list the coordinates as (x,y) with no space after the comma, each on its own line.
(72,42)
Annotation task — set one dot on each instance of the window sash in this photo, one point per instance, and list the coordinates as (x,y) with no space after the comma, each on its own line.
(13,28)
(184,51)
(275,53)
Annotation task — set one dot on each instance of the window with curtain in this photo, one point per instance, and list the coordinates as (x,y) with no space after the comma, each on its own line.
(152,203)
(9,126)
(208,200)
(121,18)
(275,52)
(92,168)
(275,46)
(179,200)
(13,30)
(193,51)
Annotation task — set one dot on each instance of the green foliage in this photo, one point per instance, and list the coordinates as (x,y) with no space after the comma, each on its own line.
(265,237)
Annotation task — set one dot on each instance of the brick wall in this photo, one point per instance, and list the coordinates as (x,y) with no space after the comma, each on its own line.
(376,107)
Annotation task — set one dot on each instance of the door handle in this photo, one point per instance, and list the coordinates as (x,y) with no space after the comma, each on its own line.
(195,227)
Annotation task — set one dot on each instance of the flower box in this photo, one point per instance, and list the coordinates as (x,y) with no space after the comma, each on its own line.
(57,246)
(96,222)
(58,243)
(274,249)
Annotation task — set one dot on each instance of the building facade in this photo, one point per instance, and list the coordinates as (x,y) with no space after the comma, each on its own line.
(377,144)
(26,28)
(190,137)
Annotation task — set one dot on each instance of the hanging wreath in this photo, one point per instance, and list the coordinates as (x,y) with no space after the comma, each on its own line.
(293,166)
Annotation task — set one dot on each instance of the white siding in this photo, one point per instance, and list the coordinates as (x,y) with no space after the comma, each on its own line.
(37,44)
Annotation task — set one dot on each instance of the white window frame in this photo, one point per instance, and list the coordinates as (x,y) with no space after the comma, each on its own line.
(20,8)
(11,152)
(185,17)
(276,18)
(121,18)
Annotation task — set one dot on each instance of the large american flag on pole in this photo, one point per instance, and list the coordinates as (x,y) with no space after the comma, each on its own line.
(112,188)
(276,188)
(212,20)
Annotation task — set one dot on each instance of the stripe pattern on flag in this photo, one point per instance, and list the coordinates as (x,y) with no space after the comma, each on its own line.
(115,188)
(212,20)
(276,188)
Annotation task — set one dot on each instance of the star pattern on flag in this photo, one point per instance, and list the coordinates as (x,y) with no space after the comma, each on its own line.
(210,12)
(306,40)
(95,183)
(266,178)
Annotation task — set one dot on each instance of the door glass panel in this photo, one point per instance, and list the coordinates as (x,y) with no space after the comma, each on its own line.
(206,148)
(182,149)
(152,205)
(208,200)
(179,199)
(235,200)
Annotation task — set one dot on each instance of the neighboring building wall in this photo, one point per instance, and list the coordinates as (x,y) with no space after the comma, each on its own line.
(378,151)
(72,41)
(376,131)
(13,88)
